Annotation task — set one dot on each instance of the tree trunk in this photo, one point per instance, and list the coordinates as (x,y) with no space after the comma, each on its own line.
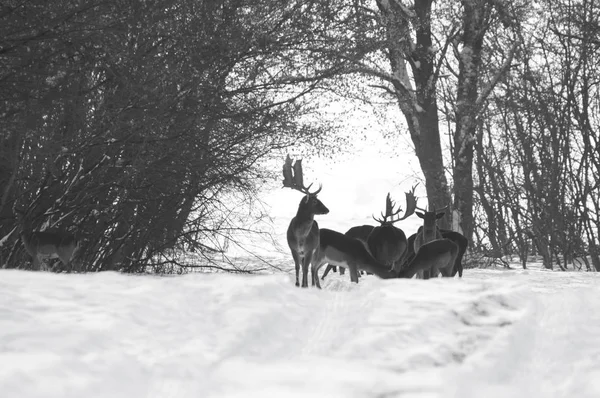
(418,104)
(475,24)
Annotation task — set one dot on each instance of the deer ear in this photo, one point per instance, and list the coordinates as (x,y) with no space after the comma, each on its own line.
(440,215)
(419,214)
(306,198)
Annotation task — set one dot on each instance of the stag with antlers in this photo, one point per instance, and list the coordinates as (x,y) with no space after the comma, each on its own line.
(303,231)
(387,242)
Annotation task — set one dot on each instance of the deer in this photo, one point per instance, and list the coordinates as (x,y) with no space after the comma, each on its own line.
(386,242)
(458,238)
(339,249)
(360,232)
(462,242)
(430,232)
(41,245)
(303,232)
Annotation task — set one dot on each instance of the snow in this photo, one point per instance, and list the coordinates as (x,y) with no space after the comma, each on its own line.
(515,333)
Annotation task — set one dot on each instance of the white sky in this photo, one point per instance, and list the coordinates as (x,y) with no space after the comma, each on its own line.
(356,182)
(530,334)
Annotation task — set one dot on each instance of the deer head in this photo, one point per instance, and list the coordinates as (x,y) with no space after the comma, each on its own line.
(430,218)
(411,205)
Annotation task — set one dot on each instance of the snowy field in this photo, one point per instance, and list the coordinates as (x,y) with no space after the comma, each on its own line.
(495,333)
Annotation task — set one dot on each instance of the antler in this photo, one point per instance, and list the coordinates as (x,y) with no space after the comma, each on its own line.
(411,204)
(389,210)
(288,176)
(434,210)
(294,178)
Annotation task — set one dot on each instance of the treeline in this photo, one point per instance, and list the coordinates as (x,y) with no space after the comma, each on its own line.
(132,122)
(538,143)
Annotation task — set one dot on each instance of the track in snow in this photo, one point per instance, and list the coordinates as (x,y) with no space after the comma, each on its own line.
(493,333)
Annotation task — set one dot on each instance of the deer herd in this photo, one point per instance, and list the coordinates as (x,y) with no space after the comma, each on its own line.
(383,250)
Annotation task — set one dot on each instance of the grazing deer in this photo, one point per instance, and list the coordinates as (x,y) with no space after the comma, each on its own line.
(303,232)
(386,242)
(429,232)
(361,233)
(47,244)
(339,249)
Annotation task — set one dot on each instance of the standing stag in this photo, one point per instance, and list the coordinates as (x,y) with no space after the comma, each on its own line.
(386,242)
(303,233)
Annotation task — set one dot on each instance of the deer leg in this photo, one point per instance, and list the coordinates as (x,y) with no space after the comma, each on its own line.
(67,265)
(37,263)
(342,270)
(297,262)
(315,270)
(353,269)
(305,262)
(329,268)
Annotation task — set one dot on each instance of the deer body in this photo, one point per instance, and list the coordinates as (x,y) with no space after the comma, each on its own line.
(428,233)
(361,233)
(462,242)
(388,245)
(387,242)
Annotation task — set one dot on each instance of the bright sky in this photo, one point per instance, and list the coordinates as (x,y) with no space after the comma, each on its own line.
(355,183)
(493,334)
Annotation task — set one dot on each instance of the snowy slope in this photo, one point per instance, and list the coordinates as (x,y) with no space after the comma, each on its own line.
(492,334)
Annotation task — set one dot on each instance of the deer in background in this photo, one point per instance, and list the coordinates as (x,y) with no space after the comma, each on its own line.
(43,245)
(428,233)
(386,242)
(303,232)
(462,242)
(459,239)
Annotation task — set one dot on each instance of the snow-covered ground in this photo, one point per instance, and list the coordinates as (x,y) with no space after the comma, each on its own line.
(510,333)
